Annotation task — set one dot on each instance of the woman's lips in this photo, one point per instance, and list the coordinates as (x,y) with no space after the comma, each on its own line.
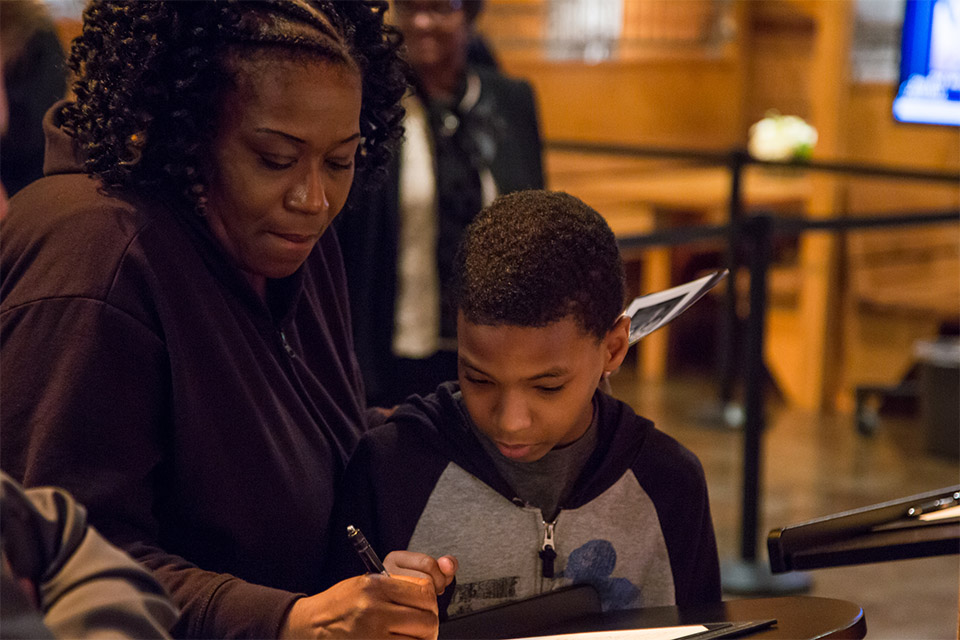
(297,238)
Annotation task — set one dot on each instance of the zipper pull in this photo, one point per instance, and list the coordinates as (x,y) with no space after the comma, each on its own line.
(286,345)
(547,549)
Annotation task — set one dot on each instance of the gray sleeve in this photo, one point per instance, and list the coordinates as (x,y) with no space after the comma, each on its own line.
(85,587)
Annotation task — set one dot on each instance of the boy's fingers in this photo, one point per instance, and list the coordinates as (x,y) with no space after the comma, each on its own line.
(410,563)
(448,565)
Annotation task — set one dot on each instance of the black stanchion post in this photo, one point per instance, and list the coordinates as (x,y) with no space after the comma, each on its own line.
(755,418)
(729,338)
(748,575)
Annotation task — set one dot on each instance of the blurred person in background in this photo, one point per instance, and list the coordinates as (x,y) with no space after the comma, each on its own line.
(471,134)
(34,76)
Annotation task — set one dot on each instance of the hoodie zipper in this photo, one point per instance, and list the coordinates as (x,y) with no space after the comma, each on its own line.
(286,345)
(548,548)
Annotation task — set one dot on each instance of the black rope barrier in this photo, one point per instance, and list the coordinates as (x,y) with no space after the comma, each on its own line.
(677,236)
(796,226)
(741,157)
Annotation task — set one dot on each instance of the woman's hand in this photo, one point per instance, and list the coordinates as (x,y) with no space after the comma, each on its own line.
(367,606)
(440,571)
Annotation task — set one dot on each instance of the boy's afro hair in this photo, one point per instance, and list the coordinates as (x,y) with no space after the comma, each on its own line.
(534,257)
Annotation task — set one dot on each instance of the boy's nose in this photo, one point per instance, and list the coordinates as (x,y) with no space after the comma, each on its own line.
(514,413)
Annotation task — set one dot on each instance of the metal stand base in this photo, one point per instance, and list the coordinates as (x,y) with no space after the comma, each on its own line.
(743,578)
(716,414)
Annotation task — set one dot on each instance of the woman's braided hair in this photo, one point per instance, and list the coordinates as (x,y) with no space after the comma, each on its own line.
(149,78)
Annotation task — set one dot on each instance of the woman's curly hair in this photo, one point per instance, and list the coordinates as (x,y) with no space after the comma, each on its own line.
(149,78)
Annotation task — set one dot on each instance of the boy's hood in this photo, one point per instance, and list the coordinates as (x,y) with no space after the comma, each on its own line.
(621,434)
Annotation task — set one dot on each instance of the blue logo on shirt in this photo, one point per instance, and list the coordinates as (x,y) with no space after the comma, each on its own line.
(593,562)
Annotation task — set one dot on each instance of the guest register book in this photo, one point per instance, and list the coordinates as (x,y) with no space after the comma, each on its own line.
(572,608)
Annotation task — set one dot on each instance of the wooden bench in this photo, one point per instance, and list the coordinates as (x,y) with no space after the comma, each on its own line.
(901,285)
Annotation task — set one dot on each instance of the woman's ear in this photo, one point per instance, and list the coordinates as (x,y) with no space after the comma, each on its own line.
(616,343)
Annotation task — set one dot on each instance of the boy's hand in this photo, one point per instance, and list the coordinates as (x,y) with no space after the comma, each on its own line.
(367,606)
(410,563)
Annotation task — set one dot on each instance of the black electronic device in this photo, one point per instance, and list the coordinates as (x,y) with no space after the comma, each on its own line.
(926,524)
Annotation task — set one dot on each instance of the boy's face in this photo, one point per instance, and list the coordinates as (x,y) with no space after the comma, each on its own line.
(529,389)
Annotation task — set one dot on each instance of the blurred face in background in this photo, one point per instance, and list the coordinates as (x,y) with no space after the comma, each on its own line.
(436,33)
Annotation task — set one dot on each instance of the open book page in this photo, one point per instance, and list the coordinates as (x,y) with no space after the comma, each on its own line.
(650,312)
(708,631)
(657,633)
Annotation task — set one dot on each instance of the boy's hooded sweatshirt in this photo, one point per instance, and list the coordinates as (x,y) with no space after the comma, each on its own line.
(636,524)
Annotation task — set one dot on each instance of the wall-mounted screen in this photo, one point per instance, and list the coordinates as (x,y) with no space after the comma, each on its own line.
(929,90)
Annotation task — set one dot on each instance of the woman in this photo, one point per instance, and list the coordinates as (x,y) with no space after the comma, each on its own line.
(34,76)
(176,344)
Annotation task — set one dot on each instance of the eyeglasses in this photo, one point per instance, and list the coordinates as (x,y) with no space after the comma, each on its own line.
(407,9)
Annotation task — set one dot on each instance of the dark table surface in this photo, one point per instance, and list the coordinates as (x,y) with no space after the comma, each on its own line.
(797,617)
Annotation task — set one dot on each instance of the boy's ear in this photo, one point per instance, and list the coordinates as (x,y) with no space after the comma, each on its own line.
(616,343)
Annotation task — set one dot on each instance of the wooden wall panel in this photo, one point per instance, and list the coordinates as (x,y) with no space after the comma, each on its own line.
(874,136)
(673,102)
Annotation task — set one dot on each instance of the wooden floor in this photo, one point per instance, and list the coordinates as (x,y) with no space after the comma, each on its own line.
(815,465)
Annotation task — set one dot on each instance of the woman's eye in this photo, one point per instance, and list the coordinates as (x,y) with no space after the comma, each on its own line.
(275,163)
(341,165)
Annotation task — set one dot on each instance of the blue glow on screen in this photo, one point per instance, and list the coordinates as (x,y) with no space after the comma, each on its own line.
(929,90)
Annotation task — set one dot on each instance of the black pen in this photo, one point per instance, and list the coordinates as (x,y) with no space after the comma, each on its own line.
(933,505)
(366,552)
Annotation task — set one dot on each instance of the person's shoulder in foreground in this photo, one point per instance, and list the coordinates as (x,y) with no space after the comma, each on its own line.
(526,471)
(62,579)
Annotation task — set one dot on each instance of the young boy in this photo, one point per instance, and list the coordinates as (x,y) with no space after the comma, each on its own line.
(525,471)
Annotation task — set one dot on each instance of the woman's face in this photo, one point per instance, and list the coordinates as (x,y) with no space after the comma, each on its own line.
(282,161)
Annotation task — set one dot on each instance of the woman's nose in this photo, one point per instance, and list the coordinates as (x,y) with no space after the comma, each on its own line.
(309,195)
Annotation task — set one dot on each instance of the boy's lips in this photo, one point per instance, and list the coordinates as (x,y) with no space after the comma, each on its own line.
(514,450)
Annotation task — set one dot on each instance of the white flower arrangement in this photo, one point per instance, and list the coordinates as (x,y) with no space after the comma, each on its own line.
(779,138)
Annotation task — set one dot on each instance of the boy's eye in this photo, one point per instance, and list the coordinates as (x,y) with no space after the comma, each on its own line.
(275,163)
(476,380)
(547,389)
